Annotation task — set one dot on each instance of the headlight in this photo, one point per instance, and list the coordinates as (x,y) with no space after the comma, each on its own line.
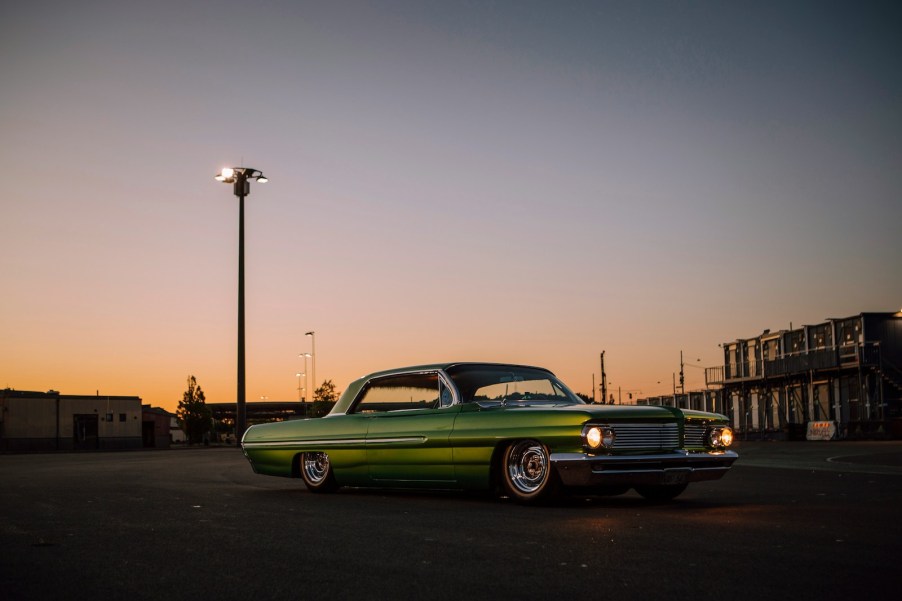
(598,436)
(726,436)
(720,436)
(593,438)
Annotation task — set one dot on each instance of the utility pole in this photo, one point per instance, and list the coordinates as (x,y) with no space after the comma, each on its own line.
(682,376)
(604,382)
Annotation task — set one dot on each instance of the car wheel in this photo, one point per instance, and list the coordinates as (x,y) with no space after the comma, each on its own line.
(664,492)
(527,475)
(316,470)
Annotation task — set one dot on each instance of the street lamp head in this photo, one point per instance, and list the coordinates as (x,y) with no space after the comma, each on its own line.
(226,176)
(231,175)
(241,177)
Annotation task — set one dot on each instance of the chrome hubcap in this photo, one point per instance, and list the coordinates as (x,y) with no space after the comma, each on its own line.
(316,466)
(528,466)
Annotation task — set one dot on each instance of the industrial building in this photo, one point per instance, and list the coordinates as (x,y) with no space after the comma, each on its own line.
(844,375)
(50,421)
(259,412)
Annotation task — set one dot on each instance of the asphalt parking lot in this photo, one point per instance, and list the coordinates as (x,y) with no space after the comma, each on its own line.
(871,457)
(807,520)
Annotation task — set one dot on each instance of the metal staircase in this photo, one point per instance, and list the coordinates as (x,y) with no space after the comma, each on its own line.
(891,375)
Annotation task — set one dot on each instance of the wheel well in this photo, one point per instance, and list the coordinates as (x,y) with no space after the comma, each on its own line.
(495,464)
(296,465)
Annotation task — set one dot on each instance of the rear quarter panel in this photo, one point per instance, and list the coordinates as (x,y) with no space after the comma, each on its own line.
(273,448)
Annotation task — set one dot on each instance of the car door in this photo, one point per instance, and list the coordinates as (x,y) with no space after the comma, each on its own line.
(410,417)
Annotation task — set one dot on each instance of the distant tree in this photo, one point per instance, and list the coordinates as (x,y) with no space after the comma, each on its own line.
(324,399)
(326,392)
(193,413)
(586,398)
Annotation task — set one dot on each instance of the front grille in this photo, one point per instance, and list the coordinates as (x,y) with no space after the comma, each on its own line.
(694,435)
(646,436)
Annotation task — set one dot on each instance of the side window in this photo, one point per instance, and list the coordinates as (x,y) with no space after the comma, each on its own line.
(446,398)
(396,393)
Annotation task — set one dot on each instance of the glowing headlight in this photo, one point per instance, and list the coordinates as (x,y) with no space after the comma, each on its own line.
(726,436)
(721,436)
(599,436)
(593,438)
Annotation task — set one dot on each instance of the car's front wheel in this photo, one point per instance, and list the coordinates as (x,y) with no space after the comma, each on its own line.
(526,473)
(316,470)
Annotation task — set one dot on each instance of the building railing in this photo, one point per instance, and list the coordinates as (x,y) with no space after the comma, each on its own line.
(849,355)
(714,375)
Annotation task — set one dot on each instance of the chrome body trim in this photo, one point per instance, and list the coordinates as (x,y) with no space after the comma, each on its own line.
(296,443)
(288,444)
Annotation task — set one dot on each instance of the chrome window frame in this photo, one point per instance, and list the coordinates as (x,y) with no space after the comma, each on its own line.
(443,382)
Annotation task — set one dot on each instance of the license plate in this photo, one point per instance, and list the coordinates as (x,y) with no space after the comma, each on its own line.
(675,476)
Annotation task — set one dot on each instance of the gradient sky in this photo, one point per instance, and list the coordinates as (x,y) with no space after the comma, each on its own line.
(527,181)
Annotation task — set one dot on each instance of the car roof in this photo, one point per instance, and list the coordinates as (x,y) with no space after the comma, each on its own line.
(354,387)
(445,366)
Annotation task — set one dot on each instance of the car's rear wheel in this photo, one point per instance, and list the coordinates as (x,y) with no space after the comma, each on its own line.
(316,470)
(663,492)
(526,472)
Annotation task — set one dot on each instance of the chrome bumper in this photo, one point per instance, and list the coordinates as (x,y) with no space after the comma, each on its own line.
(677,467)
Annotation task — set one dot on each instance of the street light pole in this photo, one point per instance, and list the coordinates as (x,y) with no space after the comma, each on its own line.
(306,383)
(313,354)
(240,178)
(300,398)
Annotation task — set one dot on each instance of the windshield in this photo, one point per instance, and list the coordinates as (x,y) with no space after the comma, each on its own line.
(504,384)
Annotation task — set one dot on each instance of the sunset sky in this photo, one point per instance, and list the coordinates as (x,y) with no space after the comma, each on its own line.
(529,182)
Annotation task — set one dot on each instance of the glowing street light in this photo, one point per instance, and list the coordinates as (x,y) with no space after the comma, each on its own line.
(240,178)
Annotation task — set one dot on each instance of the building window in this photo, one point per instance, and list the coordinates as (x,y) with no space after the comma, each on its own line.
(821,336)
(850,332)
(121,417)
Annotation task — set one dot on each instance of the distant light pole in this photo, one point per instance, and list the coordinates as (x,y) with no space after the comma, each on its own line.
(240,177)
(313,354)
(300,397)
(306,383)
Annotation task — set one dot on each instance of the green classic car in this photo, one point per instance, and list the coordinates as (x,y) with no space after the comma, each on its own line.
(486,426)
